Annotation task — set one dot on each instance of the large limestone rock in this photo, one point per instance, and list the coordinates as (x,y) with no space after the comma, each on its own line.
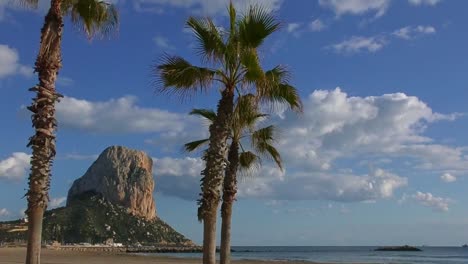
(122,176)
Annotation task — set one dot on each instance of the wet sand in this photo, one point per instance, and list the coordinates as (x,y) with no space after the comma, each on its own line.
(17,255)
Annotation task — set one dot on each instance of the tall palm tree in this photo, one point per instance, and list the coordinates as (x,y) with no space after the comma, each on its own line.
(94,17)
(243,126)
(232,62)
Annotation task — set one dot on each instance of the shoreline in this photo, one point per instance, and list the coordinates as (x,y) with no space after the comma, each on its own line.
(10,255)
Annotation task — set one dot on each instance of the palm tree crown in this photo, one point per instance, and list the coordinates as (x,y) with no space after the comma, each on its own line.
(243,129)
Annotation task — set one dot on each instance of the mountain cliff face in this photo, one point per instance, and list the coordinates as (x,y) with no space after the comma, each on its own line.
(123,177)
(112,200)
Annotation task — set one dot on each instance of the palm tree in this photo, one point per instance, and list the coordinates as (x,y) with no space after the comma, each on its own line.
(243,126)
(232,62)
(94,17)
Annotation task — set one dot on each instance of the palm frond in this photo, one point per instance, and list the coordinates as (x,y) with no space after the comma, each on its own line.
(262,140)
(252,69)
(94,17)
(210,42)
(205,113)
(194,145)
(176,75)
(249,162)
(256,25)
(274,89)
(245,113)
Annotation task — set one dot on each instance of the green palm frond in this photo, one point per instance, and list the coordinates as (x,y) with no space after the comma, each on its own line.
(274,89)
(262,140)
(184,78)
(248,161)
(209,38)
(94,17)
(245,114)
(284,94)
(255,26)
(252,69)
(194,145)
(205,113)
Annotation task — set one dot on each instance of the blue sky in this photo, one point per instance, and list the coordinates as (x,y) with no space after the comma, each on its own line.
(379,155)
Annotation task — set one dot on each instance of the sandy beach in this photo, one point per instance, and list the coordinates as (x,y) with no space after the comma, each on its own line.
(17,255)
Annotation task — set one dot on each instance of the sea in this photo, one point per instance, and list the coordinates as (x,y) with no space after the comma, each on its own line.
(428,255)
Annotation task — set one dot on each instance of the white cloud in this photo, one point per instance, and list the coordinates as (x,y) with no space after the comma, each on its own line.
(410,32)
(9,63)
(120,115)
(424,2)
(65,81)
(56,202)
(3,5)
(163,43)
(292,27)
(429,200)
(203,7)
(4,212)
(75,156)
(358,44)
(15,166)
(335,127)
(317,25)
(304,185)
(447,177)
(178,177)
(356,7)
(298,28)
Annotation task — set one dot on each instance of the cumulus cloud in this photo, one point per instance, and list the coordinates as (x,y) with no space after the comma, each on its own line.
(163,43)
(303,185)
(203,7)
(447,177)
(15,166)
(434,202)
(65,81)
(317,25)
(75,156)
(56,202)
(4,212)
(9,63)
(411,32)
(292,27)
(178,177)
(356,7)
(424,2)
(358,44)
(299,28)
(121,115)
(335,125)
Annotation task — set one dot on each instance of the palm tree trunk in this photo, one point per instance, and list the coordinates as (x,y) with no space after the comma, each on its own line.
(229,195)
(47,65)
(212,175)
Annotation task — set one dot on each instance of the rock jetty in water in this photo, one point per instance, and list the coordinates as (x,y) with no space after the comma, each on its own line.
(400,248)
(123,177)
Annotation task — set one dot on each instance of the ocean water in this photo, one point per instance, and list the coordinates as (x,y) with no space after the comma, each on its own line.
(429,255)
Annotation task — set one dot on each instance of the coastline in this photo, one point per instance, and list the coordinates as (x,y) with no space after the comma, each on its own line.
(49,256)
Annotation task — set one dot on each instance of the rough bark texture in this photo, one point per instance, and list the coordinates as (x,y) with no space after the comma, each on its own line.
(122,176)
(47,65)
(229,195)
(212,175)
